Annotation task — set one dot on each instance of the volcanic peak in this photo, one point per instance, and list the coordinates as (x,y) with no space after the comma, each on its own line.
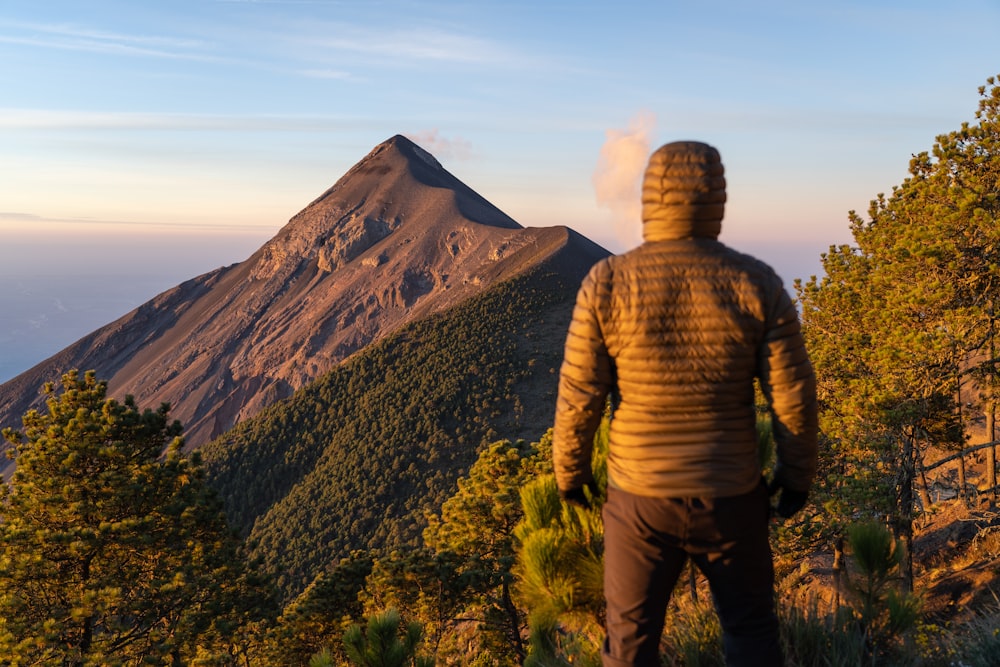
(396,182)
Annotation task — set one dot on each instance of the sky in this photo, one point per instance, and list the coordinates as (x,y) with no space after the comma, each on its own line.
(146,142)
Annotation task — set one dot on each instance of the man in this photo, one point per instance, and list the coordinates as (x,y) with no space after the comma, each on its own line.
(676,331)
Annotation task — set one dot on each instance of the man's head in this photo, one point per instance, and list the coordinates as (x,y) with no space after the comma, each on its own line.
(683,192)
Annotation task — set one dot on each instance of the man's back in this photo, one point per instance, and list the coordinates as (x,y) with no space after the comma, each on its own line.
(676,330)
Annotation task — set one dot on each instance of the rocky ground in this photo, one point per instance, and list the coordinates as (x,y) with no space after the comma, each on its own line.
(956,553)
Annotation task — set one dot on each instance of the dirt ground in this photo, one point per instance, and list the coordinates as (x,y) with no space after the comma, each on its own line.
(956,558)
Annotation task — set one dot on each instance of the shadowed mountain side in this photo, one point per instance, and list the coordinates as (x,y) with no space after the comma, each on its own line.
(395,239)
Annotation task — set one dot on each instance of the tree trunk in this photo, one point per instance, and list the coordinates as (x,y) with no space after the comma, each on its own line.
(905,519)
(991,413)
(925,496)
(991,452)
(513,622)
(961,478)
(87,637)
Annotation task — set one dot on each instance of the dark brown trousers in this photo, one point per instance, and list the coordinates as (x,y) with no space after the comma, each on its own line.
(648,541)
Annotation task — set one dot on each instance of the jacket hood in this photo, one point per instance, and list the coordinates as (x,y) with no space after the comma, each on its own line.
(683,192)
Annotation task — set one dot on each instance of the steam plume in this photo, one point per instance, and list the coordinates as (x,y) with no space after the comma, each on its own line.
(441,146)
(618,176)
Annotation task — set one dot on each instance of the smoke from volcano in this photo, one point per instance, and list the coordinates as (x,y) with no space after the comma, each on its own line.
(618,176)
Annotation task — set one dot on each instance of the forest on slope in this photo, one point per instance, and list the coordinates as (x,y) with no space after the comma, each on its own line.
(356,459)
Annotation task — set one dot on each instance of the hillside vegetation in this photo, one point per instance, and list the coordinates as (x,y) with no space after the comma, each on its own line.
(356,459)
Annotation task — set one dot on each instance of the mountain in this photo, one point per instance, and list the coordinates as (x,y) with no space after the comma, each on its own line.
(396,239)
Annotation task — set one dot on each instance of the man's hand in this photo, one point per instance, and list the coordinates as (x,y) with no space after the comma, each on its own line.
(578,497)
(789,500)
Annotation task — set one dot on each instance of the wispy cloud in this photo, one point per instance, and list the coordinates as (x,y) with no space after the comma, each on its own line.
(417,43)
(25,222)
(48,119)
(8,216)
(326,74)
(70,37)
(324,42)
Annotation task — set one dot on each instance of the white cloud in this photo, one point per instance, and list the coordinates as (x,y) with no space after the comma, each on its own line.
(418,43)
(77,38)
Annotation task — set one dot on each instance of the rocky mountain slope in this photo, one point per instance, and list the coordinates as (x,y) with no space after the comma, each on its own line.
(396,239)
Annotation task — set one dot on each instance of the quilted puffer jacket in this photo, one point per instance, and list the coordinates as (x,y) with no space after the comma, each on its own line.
(676,331)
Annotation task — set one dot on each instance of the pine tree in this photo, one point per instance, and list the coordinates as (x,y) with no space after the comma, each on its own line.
(902,325)
(560,568)
(882,612)
(112,548)
(477,525)
(318,617)
(430,588)
(385,642)
(458,586)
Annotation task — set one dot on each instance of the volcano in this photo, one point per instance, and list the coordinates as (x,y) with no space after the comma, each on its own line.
(397,238)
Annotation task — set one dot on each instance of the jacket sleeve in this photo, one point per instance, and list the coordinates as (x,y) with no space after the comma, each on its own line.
(787,380)
(584,383)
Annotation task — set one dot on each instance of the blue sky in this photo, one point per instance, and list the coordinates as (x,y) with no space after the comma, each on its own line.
(205,125)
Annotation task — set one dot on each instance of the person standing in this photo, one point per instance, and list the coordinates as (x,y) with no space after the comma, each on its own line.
(676,332)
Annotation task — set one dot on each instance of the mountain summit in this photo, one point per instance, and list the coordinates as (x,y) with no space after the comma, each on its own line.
(397,185)
(396,239)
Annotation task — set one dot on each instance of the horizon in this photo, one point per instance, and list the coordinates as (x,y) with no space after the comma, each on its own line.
(202,126)
(90,281)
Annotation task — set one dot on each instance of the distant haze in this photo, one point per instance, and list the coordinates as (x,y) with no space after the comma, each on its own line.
(87,281)
(55,287)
